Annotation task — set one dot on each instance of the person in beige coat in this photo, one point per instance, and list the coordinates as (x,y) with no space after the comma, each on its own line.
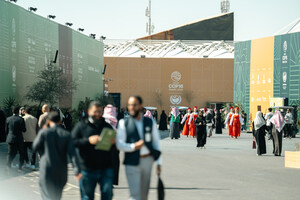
(43,118)
(31,124)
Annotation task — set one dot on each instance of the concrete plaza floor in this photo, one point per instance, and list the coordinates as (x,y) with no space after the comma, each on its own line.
(226,169)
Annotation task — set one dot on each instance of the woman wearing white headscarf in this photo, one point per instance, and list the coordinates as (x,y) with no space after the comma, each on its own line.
(174,126)
(259,131)
(278,123)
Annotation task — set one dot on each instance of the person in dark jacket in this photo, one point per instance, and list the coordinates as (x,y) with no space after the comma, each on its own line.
(55,146)
(96,165)
(15,125)
(68,121)
(200,124)
(218,122)
(163,123)
(2,126)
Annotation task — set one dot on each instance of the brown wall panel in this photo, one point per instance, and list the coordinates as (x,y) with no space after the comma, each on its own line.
(202,80)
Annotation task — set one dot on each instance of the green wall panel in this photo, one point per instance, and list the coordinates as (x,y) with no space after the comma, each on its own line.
(287,67)
(242,74)
(28,42)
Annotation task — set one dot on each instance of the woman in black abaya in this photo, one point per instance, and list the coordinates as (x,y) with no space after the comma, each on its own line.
(200,124)
(259,132)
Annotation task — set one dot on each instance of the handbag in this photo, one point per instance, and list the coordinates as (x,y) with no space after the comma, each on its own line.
(254,144)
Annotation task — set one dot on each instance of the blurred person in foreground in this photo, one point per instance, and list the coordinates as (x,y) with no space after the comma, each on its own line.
(139,138)
(110,116)
(96,165)
(55,146)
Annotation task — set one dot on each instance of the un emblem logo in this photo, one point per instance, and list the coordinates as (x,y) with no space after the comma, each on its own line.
(176,76)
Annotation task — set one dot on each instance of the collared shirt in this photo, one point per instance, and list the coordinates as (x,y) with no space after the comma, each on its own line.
(130,147)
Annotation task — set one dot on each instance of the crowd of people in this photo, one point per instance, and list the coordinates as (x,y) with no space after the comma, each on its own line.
(272,125)
(200,124)
(55,146)
(52,143)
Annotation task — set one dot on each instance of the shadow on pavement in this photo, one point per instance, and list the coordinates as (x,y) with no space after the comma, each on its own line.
(13,172)
(175,188)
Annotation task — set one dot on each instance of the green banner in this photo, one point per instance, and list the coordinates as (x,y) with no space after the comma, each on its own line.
(28,42)
(242,74)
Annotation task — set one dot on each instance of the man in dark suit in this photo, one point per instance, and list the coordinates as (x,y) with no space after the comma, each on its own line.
(15,125)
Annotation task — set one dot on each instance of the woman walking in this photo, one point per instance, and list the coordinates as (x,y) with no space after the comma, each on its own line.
(185,120)
(175,120)
(163,124)
(259,132)
(236,122)
(192,128)
(278,123)
(209,123)
(201,130)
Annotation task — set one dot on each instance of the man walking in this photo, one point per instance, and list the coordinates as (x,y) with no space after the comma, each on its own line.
(54,145)
(138,137)
(268,116)
(15,125)
(96,165)
(29,135)
(43,117)
(244,116)
(288,118)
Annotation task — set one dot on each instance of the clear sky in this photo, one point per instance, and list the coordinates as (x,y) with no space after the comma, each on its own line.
(125,19)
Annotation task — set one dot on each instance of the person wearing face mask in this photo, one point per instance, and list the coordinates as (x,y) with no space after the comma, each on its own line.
(96,165)
(139,138)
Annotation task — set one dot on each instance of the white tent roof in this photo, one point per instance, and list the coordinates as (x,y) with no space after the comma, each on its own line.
(169,49)
(290,28)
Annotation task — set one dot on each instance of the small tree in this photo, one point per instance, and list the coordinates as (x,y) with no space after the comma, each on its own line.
(8,103)
(188,95)
(50,86)
(158,97)
(104,100)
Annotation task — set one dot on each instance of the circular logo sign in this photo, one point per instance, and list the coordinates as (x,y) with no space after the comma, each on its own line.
(175,99)
(284,46)
(176,76)
(14,73)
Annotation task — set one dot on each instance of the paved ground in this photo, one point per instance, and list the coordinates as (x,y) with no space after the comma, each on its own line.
(226,169)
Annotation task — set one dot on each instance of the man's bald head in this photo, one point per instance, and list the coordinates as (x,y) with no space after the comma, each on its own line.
(45,108)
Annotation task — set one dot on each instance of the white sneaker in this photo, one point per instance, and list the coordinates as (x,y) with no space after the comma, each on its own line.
(32,167)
